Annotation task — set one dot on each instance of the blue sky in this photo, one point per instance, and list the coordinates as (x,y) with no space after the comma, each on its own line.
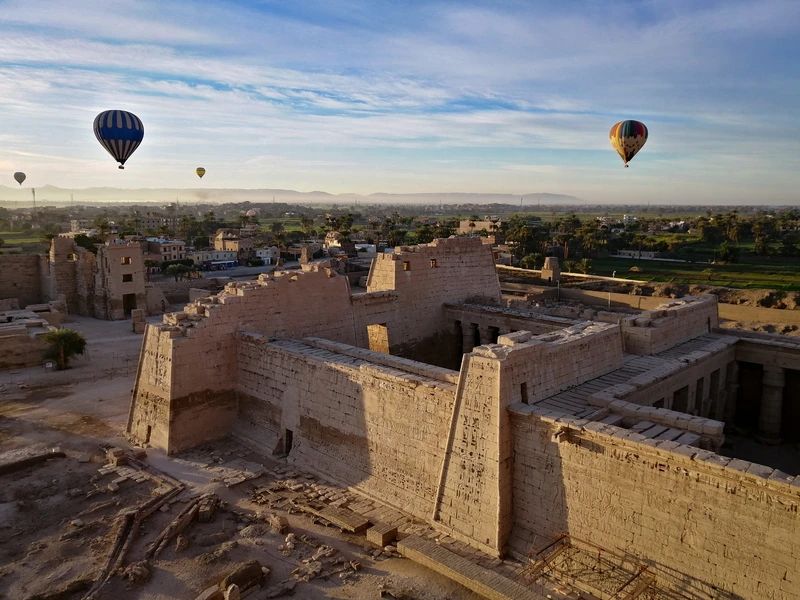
(367,96)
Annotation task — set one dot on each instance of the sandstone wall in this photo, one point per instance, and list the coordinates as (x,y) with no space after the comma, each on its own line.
(20,278)
(728,312)
(617,300)
(540,366)
(22,346)
(349,417)
(506,320)
(63,262)
(288,305)
(179,291)
(194,352)
(650,387)
(425,277)
(473,499)
(8,304)
(670,324)
(149,417)
(155,300)
(711,526)
(475,492)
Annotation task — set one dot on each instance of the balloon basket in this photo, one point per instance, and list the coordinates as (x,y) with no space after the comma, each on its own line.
(121,167)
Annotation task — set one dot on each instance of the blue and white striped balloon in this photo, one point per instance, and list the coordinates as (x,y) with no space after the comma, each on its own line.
(120,132)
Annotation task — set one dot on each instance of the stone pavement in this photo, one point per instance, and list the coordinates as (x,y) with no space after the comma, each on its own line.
(480,580)
(282,486)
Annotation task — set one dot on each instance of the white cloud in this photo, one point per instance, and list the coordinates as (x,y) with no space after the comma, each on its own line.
(251,90)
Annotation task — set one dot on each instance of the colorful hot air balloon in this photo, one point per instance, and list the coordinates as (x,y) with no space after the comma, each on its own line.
(200,172)
(120,132)
(627,138)
(19,176)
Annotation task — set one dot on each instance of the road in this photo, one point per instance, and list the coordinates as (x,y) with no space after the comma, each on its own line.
(235,273)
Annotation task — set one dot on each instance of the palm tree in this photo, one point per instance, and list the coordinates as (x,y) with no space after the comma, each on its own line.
(306,224)
(279,239)
(64,343)
(148,265)
(585,266)
(570,265)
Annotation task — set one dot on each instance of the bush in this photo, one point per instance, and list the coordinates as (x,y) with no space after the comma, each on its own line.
(64,344)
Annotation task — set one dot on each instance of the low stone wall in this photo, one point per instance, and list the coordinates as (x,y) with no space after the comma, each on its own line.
(727,312)
(178,291)
(9,304)
(22,345)
(758,314)
(708,526)
(669,324)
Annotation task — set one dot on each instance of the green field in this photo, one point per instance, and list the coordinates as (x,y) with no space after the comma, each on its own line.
(778,274)
(29,240)
(15,238)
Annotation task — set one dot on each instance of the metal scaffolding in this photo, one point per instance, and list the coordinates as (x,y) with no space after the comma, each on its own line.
(565,567)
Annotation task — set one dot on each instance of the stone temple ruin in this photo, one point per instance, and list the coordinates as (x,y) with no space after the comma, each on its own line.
(507,429)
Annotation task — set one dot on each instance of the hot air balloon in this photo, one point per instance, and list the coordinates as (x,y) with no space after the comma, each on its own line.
(120,132)
(200,172)
(627,138)
(19,176)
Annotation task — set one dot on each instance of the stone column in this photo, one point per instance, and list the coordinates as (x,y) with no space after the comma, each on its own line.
(486,335)
(467,336)
(705,405)
(769,418)
(717,411)
(732,389)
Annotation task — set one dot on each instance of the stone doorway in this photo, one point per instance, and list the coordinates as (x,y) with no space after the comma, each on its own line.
(378,336)
(128,303)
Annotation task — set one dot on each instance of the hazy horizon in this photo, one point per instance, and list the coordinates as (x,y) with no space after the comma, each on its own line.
(361,97)
(21,197)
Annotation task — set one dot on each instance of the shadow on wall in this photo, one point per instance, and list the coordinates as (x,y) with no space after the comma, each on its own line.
(572,485)
(354,421)
(442,349)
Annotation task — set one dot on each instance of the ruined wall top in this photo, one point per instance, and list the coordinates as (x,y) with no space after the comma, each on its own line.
(446,270)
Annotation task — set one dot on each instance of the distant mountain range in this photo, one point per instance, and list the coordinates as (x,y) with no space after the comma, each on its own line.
(52,194)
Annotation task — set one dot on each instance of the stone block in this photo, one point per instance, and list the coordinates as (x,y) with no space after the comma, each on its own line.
(116,456)
(212,593)
(245,577)
(278,524)
(381,534)
(206,509)
(689,439)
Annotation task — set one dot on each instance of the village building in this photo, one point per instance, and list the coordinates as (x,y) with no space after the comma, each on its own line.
(162,249)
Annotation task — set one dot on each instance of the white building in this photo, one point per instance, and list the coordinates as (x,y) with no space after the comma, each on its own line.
(207,256)
(270,256)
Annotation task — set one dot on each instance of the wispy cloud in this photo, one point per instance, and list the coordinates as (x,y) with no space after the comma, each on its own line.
(356,95)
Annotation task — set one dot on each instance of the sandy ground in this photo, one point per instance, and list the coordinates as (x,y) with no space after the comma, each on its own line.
(752,297)
(43,547)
